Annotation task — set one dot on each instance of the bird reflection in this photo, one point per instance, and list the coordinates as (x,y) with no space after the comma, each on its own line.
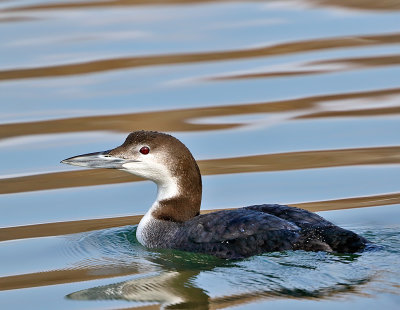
(176,289)
(169,289)
(183,280)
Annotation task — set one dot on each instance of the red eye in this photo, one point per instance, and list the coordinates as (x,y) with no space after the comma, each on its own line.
(144,150)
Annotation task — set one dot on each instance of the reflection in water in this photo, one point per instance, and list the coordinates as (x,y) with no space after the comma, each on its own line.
(256,163)
(180,120)
(184,279)
(168,288)
(212,70)
(145,61)
(187,280)
(318,67)
(72,227)
(55,277)
(175,290)
(353,4)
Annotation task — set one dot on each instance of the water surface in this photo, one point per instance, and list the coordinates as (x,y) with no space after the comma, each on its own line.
(292,102)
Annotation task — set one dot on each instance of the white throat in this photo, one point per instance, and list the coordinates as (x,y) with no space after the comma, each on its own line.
(165,190)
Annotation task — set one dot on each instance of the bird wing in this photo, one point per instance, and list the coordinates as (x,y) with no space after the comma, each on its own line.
(234,224)
(297,216)
(317,232)
(237,233)
(256,229)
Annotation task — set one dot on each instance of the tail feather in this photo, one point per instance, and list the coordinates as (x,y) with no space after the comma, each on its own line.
(343,240)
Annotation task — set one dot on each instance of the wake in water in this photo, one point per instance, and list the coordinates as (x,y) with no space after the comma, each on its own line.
(180,279)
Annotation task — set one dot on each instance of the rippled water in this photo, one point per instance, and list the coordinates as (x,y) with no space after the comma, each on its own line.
(115,267)
(293,102)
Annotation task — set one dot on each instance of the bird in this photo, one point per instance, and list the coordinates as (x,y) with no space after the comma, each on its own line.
(174,220)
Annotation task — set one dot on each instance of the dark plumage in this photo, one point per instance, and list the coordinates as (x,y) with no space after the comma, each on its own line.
(253,230)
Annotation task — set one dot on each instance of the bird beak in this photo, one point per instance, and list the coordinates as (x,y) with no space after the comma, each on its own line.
(97,160)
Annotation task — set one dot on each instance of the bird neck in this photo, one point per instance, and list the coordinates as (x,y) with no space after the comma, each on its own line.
(179,197)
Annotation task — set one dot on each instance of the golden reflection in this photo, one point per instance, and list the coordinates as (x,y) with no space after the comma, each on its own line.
(179,120)
(65,228)
(267,74)
(157,60)
(178,287)
(17,19)
(339,65)
(245,164)
(107,3)
(349,4)
(72,227)
(323,294)
(386,5)
(354,113)
(54,277)
(373,61)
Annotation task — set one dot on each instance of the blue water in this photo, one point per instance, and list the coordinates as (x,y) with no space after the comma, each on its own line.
(180,280)
(330,83)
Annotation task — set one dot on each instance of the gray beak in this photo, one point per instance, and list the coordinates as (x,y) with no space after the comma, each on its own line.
(97,160)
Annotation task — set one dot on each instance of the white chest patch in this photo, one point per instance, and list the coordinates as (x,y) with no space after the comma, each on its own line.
(167,188)
(144,225)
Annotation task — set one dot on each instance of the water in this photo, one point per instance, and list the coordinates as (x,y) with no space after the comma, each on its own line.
(293,102)
(111,267)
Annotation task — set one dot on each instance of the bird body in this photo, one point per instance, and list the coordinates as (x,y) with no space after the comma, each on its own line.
(174,219)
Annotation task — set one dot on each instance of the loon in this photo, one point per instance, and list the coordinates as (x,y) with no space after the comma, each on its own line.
(174,220)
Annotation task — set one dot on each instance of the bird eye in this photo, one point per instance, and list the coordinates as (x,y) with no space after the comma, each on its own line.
(144,150)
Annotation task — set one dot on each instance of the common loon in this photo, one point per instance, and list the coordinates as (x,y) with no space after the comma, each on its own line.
(174,219)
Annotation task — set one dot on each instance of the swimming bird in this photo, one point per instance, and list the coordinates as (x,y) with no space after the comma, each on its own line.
(174,220)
